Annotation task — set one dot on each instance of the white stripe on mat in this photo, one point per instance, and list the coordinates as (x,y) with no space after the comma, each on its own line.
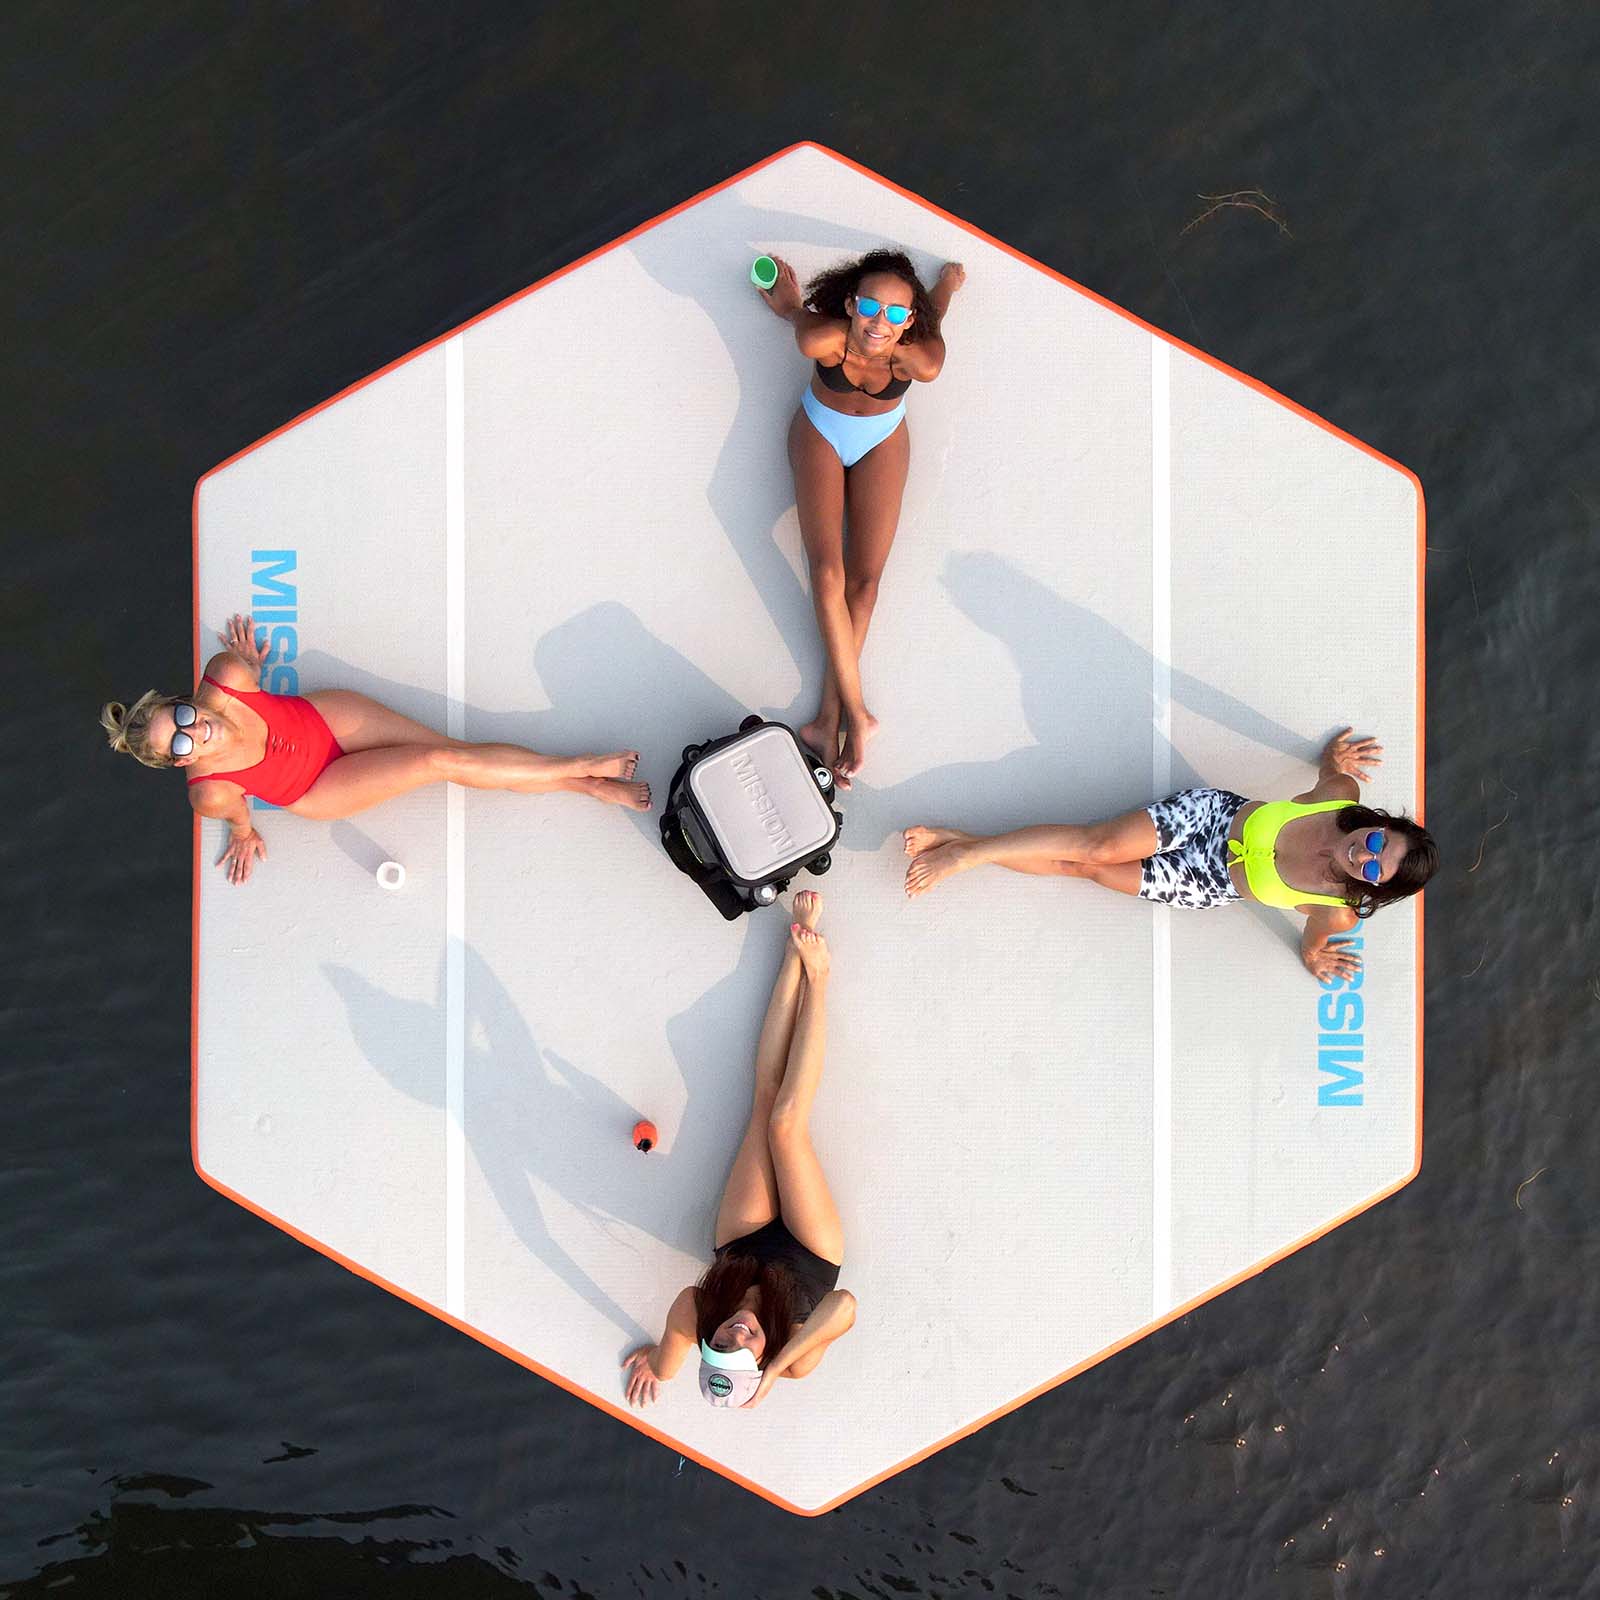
(455,832)
(1161,776)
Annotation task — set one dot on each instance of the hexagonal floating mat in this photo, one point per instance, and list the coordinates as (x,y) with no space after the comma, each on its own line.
(1054,1118)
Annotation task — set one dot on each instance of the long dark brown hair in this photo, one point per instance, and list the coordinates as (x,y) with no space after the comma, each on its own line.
(1417,865)
(827,292)
(723,1286)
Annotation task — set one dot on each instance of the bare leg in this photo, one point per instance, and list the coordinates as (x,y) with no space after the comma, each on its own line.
(874,488)
(1124,876)
(806,1203)
(819,503)
(750,1196)
(359,722)
(860,603)
(1128,838)
(369,777)
(919,839)
(368,730)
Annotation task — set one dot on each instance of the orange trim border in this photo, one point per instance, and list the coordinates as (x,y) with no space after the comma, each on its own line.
(611,1409)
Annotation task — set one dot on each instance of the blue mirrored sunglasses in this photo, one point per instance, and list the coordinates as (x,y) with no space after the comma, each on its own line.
(185,716)
(870,308)
(1373,843)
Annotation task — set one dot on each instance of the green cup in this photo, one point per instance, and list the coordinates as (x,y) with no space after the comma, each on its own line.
(764,273)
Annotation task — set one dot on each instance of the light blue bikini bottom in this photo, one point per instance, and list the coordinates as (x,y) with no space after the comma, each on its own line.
(851,437)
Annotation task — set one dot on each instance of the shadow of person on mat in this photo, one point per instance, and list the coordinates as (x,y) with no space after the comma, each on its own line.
(604,682)
(525,1111)
(532,1116)
(1086,696)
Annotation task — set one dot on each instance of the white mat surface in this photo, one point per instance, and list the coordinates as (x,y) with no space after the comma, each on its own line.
(1053,1117)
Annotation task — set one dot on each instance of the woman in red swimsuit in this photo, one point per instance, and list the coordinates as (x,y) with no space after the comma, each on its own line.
(329,754)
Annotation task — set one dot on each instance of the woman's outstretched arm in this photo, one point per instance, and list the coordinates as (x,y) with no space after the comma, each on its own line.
(1345,765)
(652,1365)
(1325,955)
(227,803)
(238,664)
(924,360)
(816,336)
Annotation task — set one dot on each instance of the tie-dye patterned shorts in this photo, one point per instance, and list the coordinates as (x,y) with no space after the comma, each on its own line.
(1190,866)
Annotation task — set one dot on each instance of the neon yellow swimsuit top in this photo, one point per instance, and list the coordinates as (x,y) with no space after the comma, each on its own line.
(1257,850)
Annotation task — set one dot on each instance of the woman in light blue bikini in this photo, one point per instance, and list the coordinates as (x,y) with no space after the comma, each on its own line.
(872,330)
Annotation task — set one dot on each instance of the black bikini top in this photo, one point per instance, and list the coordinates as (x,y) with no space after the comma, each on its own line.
(834,378)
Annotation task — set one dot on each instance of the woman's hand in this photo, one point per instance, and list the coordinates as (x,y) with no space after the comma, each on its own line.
(643,1385)
(1352,758)
(768,1377)
(784,296)
(951,276)
(241,854)
(239,639)
(1332,960)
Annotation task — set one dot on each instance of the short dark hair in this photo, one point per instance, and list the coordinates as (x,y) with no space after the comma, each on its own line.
(1417,865)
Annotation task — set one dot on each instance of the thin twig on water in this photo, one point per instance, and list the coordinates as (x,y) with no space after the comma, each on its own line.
(1516,1199)
(1243,200)
(1487,831)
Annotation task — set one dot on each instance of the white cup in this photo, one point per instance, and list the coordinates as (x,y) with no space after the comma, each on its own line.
(391,875)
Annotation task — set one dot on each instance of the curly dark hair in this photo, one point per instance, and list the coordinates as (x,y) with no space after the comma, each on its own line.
(1416,866)
(827,292)
(723,1286)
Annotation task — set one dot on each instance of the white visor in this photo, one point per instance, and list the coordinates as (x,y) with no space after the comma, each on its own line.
(740,1360)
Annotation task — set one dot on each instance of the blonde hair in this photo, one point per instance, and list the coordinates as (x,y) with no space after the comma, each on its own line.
(128,727)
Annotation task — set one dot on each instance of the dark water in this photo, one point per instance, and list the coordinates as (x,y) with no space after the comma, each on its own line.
(218,214)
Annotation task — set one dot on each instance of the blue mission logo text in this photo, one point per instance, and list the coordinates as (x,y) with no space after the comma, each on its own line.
(1340,1045)
(275,605)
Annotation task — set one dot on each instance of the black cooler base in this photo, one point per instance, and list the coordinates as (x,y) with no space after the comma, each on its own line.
(746,812)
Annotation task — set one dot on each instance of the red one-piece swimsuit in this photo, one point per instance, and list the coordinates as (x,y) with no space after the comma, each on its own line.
(300,747)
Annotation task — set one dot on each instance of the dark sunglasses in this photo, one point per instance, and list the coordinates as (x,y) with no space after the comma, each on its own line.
(185,716)
(1373,844)
(870,308)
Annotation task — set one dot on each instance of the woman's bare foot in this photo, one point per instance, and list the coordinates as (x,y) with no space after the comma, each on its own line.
(934,865)
(919,838)
(813,950)
(821,734)
(614,792)
(808,908)
(858,731)
(619,764)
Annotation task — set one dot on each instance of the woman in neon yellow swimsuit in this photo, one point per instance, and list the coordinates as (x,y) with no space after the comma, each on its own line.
(1322,853)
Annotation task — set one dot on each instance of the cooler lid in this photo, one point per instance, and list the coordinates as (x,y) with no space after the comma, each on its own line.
(759,798)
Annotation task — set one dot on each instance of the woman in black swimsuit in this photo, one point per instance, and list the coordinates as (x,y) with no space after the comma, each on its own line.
(872,330)
(766,1308)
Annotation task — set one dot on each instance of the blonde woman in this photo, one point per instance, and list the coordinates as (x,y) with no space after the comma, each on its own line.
(324,755)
